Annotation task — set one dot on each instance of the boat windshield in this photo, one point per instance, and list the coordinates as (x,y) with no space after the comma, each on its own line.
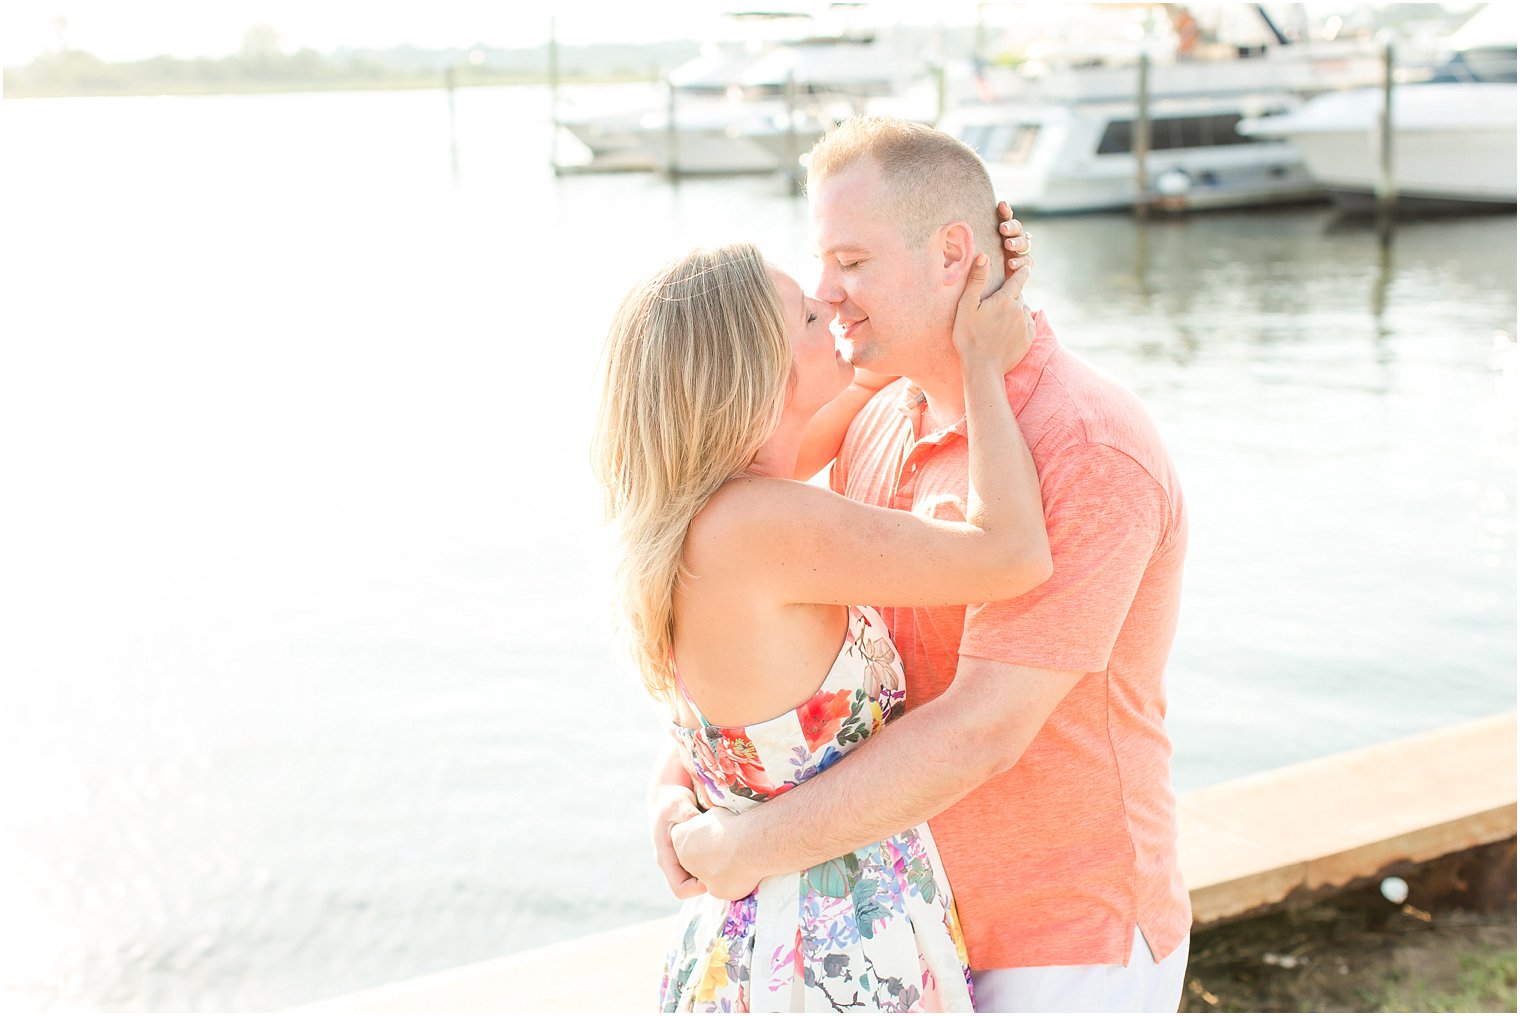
(1178,132)
(1001,142)
(1481,63)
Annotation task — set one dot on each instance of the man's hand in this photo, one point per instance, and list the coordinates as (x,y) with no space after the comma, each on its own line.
(705,846)
(670,805)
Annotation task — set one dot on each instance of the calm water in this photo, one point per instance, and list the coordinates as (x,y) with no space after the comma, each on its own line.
(305,661)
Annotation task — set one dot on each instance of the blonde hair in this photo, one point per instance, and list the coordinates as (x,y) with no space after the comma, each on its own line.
(694,379)
(931,178)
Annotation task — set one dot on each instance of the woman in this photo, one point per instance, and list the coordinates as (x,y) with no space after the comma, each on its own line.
(740,587)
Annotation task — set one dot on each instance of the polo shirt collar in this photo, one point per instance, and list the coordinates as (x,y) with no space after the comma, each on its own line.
(1023,379)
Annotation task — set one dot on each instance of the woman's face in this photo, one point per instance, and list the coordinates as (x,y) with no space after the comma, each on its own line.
(822,372)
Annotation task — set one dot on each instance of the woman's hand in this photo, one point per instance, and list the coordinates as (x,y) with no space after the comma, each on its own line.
(994,333)
(669,806)
(1016,249)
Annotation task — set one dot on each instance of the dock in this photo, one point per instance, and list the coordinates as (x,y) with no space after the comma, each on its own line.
(1246,846)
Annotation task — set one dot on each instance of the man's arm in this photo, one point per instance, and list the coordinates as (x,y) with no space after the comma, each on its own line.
(933,757)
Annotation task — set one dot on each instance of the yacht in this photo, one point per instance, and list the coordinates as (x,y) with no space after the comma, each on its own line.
(704,90)
(1059,157)
(1061,138)
(753,105)
(1453,135)
(781,103)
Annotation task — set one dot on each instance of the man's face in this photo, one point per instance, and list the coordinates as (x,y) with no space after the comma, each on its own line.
(883,291)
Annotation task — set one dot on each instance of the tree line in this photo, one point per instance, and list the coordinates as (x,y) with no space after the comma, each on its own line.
(262,66)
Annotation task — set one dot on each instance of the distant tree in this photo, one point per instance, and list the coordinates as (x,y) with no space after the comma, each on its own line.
(261,42)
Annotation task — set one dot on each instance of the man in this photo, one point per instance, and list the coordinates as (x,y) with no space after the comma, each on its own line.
(1035,740)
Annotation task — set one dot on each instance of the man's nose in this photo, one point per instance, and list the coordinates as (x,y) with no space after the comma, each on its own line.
(830,287)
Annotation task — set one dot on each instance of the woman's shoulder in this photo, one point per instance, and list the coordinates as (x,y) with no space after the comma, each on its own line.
(752,500)
(747,512)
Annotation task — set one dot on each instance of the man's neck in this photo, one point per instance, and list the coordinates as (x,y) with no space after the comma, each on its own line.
(944,401)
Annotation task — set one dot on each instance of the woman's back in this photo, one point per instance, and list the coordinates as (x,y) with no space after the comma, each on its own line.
(742,652)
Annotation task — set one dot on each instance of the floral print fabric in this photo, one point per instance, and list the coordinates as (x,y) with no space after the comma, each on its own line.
(874,930)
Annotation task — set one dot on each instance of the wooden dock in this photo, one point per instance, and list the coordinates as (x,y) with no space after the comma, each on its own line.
(1331,822)
(1246,846)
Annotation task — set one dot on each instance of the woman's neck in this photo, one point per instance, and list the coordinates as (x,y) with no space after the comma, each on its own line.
(778,456)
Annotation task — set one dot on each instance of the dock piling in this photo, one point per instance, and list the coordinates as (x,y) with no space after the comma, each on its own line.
(1384,189)
(448,84)
(553,54)
(1141,138)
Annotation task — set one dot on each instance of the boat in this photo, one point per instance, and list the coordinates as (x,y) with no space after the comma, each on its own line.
(1453,135)
(783,101)
(1061,139)
(705,90)
(1051,157)
(754,106)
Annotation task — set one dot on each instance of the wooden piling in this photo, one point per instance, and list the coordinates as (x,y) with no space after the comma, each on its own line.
(1140,140)
(1384,188)
(672,134)
(448,84)
(553,96)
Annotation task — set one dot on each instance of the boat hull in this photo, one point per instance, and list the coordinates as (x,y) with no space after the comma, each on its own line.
(706,151)
(1182,181)
(1453,144)
(1456,169)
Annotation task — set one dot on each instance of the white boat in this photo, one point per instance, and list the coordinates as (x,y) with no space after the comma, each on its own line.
(1058,157)
(609,139)
(1453,137)
(1061,139)
(705,90)
(1453,143)
(753,105)
(780,104)
(714,138)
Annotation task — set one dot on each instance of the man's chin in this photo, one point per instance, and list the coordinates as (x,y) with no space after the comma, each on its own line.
(859,354)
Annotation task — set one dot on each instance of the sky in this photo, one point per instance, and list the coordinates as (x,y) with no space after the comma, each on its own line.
(114,30)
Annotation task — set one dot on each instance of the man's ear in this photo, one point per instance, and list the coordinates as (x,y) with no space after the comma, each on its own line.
(957,249)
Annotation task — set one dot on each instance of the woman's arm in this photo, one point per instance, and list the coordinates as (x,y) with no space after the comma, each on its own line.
(810,545)
(1003,489)
(825,432)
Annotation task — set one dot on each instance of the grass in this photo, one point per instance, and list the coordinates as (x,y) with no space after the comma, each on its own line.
(1356,953)
(1486,983)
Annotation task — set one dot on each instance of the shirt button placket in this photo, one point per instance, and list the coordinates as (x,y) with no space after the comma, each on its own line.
(905,482)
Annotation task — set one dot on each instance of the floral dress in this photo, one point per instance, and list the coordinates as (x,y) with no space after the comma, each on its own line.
(874,930)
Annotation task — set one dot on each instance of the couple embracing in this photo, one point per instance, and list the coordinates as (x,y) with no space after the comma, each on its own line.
(918,751)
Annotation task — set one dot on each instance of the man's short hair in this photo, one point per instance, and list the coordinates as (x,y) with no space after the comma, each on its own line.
(931,177)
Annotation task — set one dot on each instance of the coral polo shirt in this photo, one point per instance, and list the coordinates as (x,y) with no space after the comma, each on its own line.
(1054,862)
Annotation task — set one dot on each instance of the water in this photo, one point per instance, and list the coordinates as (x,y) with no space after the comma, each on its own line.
(305,658)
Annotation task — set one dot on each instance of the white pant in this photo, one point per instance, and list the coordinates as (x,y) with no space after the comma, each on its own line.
(1143,986)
